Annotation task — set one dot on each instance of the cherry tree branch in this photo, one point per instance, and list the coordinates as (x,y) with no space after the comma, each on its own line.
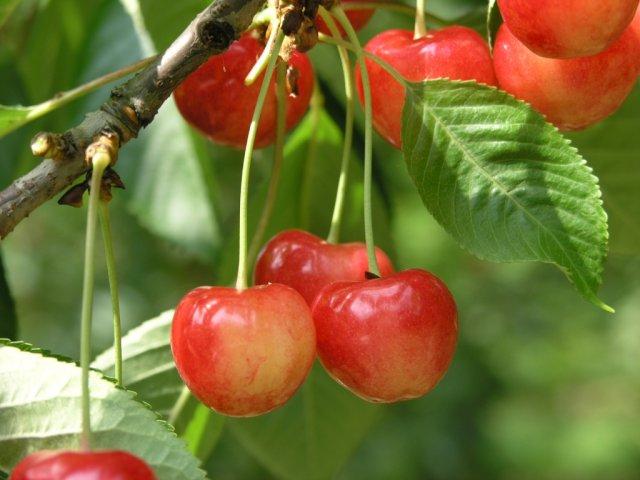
(131,107)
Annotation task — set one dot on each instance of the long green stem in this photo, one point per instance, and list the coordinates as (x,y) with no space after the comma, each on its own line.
(263,60)
(242,278)
(278,157)
(105,222)
(100,163)
(368,139)
(179,406)
(315,114)
(66,97)
(349,90)
(421,26)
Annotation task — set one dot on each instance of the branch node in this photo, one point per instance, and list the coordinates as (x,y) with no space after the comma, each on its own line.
(216,35)
(48,145)
(107,144)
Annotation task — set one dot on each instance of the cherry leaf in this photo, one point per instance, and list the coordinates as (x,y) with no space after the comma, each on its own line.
(503,182)
(40,409)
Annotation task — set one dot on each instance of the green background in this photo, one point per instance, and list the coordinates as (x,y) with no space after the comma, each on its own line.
(544,385)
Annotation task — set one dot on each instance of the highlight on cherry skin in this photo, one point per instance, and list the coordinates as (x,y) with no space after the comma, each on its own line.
(387,339)
(575,93)
(215,100)
(243,353)
(456,53)
(82,465)
(567,28)
(308,263)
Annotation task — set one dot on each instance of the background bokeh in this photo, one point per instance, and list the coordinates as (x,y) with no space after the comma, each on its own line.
(543,386)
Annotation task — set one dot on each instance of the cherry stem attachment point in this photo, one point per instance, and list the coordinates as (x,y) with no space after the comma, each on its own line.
(100,162)
(368,138)
(105,222)
(278,157)
(349,90)
(421,26)
(242,278)
(263,60)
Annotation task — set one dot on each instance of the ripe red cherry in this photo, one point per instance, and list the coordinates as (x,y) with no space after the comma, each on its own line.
(457,53)
(243,353)
(308,263)
(388,339)
(567,28)
(215,100)
(358,18)
(98,465)
(572,94)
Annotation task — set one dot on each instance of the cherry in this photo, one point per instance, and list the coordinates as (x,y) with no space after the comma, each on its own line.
(307,263)
(387,339)
(572,94)
(215,100)
(567,28)
(457,53)
(358,18)
(243,353)
(81,465)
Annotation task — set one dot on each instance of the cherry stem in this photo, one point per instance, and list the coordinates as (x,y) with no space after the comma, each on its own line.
(368,138)
(315,115)
(242,278)
(349,46)
(179,406)
(263,60)
(105,222)
(349,90)
(421,26)
(278,156)
(100,162)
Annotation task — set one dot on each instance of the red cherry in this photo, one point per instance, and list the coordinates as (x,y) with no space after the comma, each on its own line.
(243,353)
(98,465)
(388,339)
(215,100)
(457,53)
(308,263)
(567,28)
(358,18)
(572,94)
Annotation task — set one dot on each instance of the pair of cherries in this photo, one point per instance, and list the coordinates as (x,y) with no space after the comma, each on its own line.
(245,353)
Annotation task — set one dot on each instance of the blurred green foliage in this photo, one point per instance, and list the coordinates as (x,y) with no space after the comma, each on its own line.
(544,385)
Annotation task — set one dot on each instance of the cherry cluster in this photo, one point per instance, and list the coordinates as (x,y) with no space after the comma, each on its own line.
(386,339)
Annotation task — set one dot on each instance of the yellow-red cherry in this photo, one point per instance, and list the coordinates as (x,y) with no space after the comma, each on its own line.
(243,352)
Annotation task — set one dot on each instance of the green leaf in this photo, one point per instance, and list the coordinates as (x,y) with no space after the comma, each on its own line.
(8,319)
(148,363)
(171,188)
(40,409)
(310,437)
(6,8)
(503,182)
(612,148)
(13,117)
